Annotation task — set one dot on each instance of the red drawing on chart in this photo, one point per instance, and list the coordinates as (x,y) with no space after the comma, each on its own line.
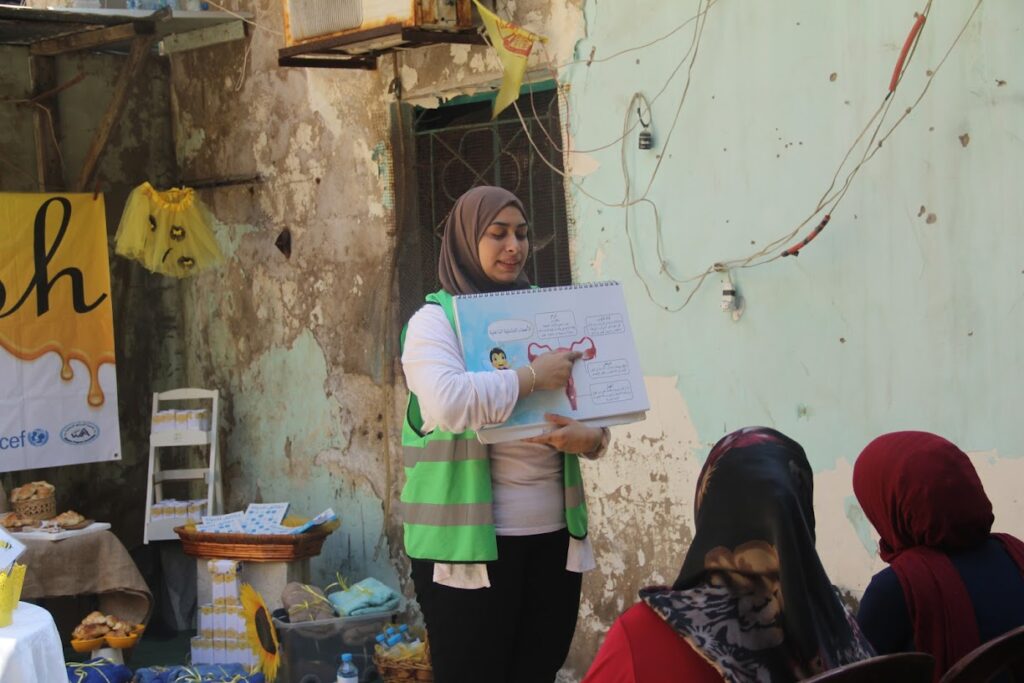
(587,348)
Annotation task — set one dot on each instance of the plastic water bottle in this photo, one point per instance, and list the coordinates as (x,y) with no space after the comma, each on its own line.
(347,672)
(396,644)
(407,636)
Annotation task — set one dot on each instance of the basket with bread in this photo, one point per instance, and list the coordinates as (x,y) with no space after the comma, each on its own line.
(98,630)
(35,500)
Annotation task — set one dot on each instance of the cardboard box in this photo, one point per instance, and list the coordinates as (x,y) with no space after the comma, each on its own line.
(202,650)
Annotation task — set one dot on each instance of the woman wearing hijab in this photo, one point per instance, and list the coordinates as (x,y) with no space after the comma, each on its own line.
(496,534)
(752,601)
(951,584)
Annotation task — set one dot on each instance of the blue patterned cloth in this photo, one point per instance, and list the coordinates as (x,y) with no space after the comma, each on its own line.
(200,673)
(98,670)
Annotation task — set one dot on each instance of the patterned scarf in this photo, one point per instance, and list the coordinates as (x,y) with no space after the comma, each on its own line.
(752,597)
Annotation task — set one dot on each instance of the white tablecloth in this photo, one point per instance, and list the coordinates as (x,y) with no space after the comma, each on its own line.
(30,649)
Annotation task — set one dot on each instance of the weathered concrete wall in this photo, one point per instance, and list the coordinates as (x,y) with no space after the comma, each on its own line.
(146,313)
(301,347)
(17,152)
(304,348)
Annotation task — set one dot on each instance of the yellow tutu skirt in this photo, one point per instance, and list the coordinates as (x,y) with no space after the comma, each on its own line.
(168,232)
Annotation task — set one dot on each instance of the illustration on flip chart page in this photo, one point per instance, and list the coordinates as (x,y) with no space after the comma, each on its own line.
(507,330)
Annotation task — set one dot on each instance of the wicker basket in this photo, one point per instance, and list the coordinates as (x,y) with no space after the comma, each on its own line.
(37,509)
(404,671)
(252,547)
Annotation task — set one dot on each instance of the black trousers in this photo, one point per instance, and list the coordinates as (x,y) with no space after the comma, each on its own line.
(517,631)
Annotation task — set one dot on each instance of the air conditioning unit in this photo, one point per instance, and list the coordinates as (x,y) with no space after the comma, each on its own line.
(370,25)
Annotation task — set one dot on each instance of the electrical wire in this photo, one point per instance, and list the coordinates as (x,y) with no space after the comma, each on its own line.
(830,198)
(594,60)
(252,23)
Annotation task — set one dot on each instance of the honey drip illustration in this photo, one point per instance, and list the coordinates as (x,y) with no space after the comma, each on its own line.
(53,292)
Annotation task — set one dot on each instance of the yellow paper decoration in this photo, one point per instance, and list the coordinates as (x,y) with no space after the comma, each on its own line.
(10,592)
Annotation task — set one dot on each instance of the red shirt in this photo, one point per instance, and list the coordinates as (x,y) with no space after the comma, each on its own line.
(642,648)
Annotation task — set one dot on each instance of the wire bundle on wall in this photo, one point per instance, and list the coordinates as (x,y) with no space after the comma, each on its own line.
(827,203)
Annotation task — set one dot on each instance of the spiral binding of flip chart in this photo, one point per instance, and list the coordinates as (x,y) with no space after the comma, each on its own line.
(541,290)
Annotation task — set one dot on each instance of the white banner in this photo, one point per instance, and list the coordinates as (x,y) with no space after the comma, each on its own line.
(58,389)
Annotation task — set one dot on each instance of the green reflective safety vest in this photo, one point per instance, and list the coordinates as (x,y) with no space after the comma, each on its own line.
(447,498)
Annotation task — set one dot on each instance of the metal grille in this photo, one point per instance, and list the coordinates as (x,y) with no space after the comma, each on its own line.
(458,147)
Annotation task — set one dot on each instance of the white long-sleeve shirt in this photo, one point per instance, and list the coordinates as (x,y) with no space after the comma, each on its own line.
(526,478)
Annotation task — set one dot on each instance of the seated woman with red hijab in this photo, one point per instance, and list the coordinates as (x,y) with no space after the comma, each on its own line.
(951,584)
(752,601)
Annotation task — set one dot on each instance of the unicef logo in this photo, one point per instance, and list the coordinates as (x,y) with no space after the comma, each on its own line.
(78,433)
(38,437)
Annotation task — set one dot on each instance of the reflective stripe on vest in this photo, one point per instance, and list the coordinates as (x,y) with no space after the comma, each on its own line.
(443,450)
(448,514)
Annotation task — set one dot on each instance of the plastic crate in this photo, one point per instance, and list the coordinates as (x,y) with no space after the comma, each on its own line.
(310,649)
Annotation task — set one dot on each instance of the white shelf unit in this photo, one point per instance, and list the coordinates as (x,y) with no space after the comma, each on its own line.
(163,529)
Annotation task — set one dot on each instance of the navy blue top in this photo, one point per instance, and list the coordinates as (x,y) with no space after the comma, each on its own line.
(993,582)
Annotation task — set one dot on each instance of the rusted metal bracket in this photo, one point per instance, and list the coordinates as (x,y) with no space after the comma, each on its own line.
(360,49)
(360,62)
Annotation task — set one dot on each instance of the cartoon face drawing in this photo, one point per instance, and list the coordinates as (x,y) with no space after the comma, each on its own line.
(499,360)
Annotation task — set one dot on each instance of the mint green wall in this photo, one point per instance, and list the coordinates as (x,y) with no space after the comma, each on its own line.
(928,310)
(904,314)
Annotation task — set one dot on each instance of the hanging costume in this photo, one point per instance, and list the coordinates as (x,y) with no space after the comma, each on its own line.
(168,232)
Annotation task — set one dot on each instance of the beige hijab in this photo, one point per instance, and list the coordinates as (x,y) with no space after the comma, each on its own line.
(459,267)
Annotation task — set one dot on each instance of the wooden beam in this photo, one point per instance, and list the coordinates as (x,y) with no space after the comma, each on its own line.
(86,40)
(338,41)
(49,169)
(141,48)
(463,14)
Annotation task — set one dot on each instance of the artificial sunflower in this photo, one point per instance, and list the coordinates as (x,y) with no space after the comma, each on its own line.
(261,633)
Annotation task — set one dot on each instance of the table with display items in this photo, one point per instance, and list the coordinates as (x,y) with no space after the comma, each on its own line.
(93,563)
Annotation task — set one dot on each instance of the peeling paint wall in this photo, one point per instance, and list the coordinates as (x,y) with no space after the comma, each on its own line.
(303,349)
(300,347)
(146,310)
(903,314)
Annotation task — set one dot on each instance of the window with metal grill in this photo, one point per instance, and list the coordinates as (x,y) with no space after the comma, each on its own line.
(456,147)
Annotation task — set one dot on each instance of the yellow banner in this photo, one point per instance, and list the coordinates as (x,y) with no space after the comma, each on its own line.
(513,45)
(56,332)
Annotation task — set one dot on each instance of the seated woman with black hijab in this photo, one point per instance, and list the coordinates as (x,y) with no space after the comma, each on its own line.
(752,601)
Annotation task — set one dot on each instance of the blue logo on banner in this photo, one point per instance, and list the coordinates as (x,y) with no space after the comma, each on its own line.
(78,433)
(38,436)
